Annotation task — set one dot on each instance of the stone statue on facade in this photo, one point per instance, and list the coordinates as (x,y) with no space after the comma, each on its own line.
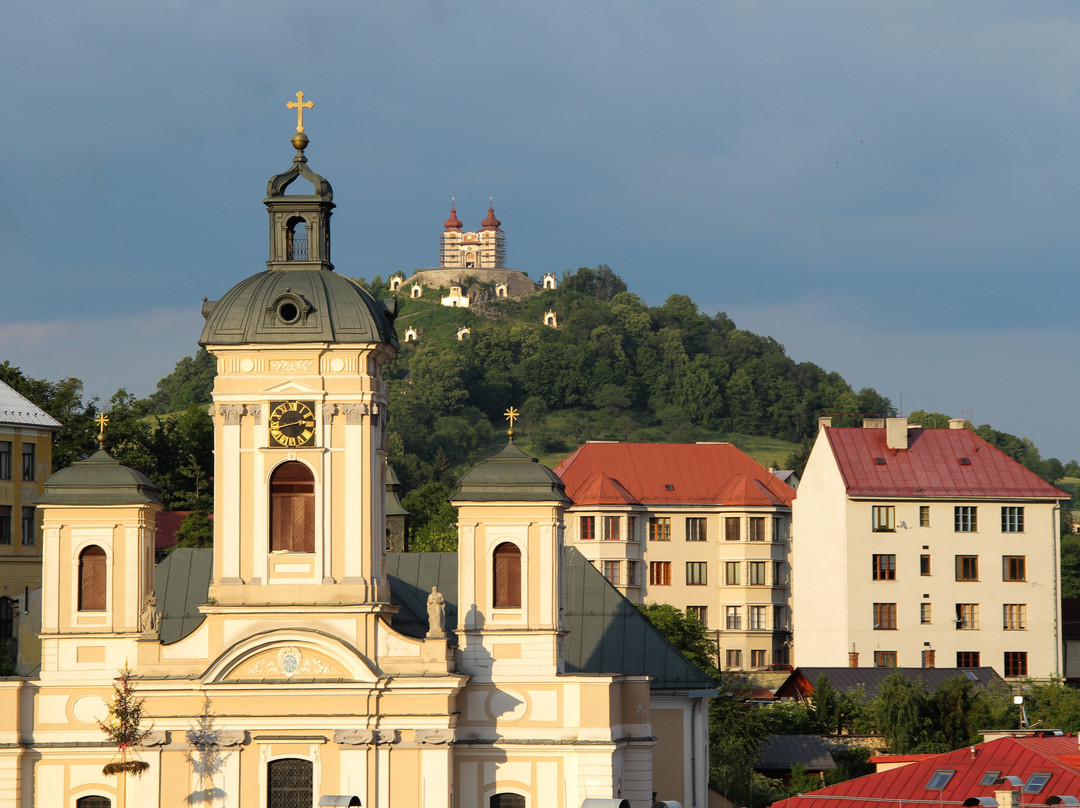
(436,611)
(148,618)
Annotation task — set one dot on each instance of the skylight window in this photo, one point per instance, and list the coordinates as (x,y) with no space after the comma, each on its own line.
(669,487)
(940,779)
(1036,783)
(879,461)
(990,778)
(965,461)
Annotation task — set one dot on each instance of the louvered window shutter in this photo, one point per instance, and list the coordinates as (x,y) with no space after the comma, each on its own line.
(92,579)
(292,508)
(507,576)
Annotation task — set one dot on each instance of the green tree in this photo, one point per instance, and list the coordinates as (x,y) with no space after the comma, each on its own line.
(901,713)
(685,632)
(191,382)
(600,283)
(195,531)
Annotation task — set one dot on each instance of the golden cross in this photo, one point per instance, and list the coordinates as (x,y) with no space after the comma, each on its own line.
(300,105)
(102,419)
(511,414)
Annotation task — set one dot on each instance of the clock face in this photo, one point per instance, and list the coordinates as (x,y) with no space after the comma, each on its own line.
(292,423)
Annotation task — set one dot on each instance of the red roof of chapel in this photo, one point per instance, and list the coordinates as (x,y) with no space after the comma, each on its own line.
(601,473)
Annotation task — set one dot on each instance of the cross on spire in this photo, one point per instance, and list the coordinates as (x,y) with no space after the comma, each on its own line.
(511,414)
(300,105)
(102,420)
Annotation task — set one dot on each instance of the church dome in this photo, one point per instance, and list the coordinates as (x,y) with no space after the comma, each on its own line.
(491,223)
(98,480)
(511,475)
(297,305)
(453,223)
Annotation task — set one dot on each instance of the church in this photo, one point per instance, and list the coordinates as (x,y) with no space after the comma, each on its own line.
(297,663)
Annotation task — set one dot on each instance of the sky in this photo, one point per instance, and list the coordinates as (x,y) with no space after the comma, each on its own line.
(889,189)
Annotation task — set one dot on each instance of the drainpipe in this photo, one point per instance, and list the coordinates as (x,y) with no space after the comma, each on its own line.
(1055,539)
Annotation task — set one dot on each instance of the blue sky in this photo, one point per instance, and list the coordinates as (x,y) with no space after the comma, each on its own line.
(889,189)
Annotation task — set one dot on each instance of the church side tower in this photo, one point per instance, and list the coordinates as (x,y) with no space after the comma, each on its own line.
(98,526)
(510,588)
(299,416)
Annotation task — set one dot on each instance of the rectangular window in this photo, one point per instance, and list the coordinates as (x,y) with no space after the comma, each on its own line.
(940,779)
(1014,568)
(758,618)
(924,564)
(731,573)
(731,528)
(1036,783)
(633,573)
(1016,663)
(696,573)
(587,527)
(1012,519)
(967,659)
(660,573)
(611,571)
(965,519)
(734,658)
(967,568)
(699,613)
(967,616)
(610,525)
(758,659)
(757,573)
(884,659)
(659,528)
(695,528)
(884,567)
(924,516)
(780,619)
(778,573)
(757,528)
(777,529)
(926,613)
(884,616)
(884,519)
(5,524)
(5,460)
(1014,616)
(28,461)
(29,527)
(733,618)
(631,528)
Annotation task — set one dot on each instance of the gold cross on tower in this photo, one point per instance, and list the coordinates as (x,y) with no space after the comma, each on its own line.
(300,105)
(102,420)
(510,415)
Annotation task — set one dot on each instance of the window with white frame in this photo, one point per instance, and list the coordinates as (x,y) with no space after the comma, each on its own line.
(965,519)
(733,618)
(1012,519)
(759,618)
(883,518)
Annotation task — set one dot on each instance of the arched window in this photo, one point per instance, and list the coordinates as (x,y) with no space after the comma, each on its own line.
(92,579)
(507,576)
(507,801)
(292,508)
(291,783)
(296,240)
(93,801)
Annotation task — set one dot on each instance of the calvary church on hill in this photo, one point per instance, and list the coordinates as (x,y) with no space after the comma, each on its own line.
(298,663)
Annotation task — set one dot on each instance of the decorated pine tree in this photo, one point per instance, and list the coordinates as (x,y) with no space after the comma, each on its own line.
(123,727)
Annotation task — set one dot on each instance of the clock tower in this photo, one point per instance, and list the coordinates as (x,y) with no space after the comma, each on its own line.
(299,416)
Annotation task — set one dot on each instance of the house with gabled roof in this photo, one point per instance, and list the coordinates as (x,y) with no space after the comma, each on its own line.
(1038,769)
(701,526)
(919,547)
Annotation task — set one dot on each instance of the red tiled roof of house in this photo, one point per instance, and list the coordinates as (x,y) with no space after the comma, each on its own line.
(937,463)
(671,473)
(1018,757)
(600,489)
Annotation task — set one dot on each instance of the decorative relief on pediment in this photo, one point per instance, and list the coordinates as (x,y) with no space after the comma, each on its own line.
(290,365)
(288,662)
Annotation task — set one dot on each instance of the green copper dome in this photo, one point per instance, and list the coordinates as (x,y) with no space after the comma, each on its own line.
(511,475)
(297,305)
(98,480)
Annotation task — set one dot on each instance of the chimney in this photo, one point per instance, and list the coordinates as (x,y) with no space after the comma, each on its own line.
(1006,799)
(873,423)
(853,659)
(824,420)
(896,433)
(956,423)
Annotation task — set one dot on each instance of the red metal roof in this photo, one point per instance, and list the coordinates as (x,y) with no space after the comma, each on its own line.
(670,473)
(933,465)
(1018,757)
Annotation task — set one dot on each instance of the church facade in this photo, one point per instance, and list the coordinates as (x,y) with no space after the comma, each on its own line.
(298,663)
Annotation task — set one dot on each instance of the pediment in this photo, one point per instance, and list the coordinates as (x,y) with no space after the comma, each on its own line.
(293,655)
(291,387)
